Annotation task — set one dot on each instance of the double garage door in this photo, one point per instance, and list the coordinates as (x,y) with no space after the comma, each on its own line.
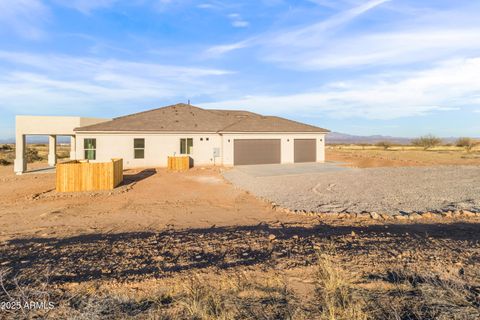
(268,151)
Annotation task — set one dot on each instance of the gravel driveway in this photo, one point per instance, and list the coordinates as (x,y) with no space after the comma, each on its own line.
(383,190)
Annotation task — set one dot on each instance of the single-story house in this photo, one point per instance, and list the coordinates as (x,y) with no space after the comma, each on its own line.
(209,137)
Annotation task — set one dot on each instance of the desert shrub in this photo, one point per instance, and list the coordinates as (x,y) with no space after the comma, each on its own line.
(363,145)
(427,142)
(32,155)
(6,147)
(384,144)
(336,297)
(63,154)
(5,162)
(426,296)
(467,143)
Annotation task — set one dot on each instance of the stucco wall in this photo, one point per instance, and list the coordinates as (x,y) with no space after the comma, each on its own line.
(53,125)
(157,148)
(287,144)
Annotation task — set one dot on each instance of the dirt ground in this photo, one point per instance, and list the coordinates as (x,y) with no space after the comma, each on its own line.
(150,200)
(374,157)
(192,246)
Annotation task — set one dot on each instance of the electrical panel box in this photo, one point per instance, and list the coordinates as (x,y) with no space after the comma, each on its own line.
(216,152)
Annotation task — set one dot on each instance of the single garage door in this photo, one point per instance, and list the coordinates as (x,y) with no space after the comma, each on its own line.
(305,150)
(256,151)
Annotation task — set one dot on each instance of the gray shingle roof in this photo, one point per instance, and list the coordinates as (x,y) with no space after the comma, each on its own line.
(186,118)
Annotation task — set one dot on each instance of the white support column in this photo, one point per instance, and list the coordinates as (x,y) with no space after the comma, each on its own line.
(52,150)
(73,148)
(20,164)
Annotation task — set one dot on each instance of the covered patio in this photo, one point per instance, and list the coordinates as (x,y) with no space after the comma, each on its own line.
(50,126)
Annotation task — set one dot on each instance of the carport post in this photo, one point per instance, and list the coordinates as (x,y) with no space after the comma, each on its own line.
(52,150)
(73,148)
(20,164)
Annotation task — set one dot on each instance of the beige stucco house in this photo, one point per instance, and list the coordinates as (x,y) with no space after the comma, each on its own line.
(209,137)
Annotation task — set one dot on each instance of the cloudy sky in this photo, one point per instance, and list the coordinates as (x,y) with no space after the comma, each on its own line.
(394,67)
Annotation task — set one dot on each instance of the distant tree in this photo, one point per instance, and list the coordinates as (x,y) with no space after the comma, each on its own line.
(467,143)
(427,142)
(384,144)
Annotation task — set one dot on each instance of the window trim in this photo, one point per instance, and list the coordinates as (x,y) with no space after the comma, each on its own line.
(186,146)
(136,148)
(94,149)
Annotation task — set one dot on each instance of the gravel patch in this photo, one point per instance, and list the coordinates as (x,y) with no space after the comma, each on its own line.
(383,190)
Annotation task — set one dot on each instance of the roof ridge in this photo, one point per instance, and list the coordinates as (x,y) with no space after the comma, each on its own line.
(233,123)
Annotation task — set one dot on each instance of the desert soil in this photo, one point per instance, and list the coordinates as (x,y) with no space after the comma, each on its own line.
(124,253)
(373,158)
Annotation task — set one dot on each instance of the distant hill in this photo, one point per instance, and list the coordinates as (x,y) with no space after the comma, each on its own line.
(332,138)
(343,138)
(37,139)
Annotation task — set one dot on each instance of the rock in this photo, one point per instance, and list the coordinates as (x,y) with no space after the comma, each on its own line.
(414,216)
(295,237)
(272,237)
(374,215)
(363,215)
(400,217)
(385,216)
(467,213)
(427,215)
(353,234)
(447,214)
(456,213)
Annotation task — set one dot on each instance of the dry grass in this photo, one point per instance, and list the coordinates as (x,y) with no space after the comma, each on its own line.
(335,294)
(366,156)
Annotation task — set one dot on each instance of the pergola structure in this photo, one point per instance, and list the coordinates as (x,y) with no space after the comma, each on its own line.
(50,126)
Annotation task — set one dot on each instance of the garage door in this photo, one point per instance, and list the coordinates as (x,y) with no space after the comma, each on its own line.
(256,151)
(305,150)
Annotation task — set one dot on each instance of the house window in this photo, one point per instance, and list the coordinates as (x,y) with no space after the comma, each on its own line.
(186,146)
(139,148)
(90,148)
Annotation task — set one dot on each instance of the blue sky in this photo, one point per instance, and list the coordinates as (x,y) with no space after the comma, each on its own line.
(402,68)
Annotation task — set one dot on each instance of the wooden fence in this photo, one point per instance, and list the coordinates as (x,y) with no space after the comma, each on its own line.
(74,176)
(180,163)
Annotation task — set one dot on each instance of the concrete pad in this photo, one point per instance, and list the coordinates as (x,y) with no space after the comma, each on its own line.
(272,170)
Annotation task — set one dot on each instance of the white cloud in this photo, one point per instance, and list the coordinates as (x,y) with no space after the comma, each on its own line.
(237,21)
(222,49)
(24,17)
(299,35)
(448,86)
(87,6)
(389,48)
(37,81)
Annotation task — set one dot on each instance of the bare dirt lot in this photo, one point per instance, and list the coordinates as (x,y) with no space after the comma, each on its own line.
(192,246)
(150,200)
